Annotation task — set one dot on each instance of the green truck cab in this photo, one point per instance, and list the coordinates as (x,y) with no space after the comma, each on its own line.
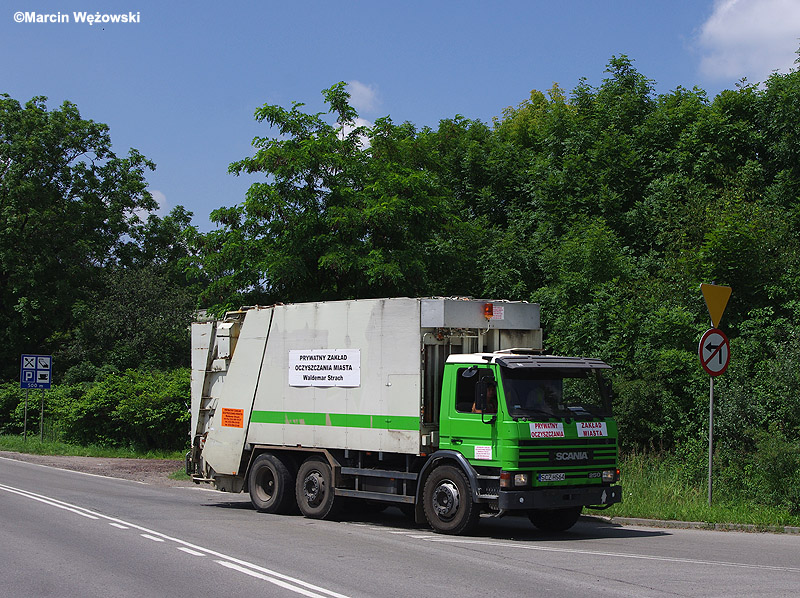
(536,430)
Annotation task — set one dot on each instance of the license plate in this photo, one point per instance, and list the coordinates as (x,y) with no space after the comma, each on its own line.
(552,477)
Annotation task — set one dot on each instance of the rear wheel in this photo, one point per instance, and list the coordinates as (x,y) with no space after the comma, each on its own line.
(448,502)
(554,520)
(271,485)
(314,490)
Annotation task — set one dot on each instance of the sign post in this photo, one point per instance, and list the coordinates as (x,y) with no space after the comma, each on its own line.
(715,355)
(35,372)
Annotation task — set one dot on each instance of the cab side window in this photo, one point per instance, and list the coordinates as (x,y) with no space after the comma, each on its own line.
(465,392)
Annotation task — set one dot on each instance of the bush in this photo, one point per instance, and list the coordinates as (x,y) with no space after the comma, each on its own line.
(141,409)
(768,475)
(11,397)
(138,409)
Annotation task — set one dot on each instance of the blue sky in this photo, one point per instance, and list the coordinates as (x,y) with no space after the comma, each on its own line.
(182,83)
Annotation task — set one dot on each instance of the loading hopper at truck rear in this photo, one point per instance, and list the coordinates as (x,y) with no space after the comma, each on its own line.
(310,405)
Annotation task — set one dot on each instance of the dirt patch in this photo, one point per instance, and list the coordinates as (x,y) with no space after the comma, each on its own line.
(149,471)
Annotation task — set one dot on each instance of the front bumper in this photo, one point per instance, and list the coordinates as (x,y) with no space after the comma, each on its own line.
(557,498)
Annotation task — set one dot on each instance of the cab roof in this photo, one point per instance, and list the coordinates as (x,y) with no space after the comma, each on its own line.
(517,360)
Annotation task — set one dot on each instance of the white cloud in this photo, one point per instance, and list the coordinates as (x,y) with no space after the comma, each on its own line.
(162,209)
(363,97)
(750,38)
(363,141)
(161,199)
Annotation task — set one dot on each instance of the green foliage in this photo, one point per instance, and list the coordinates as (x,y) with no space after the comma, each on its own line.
(34,446)
(11,395)
(153,302)
(140,410)
(345,211)
(65,202)
(673,487)
(74,251)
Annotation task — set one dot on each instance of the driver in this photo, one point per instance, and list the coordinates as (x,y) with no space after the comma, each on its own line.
(491,400)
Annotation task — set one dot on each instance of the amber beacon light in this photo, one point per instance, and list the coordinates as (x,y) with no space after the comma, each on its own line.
(488,311)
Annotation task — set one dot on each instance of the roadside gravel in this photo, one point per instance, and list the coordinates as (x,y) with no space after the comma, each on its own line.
(149,471)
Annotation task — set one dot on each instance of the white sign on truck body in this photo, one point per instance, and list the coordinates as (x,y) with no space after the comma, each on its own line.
(325,367)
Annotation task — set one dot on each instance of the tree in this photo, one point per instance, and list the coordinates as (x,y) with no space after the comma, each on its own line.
(68,205)
(148,302)
(344,212)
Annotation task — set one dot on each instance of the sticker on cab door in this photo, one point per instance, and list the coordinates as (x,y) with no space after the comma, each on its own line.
(484,453)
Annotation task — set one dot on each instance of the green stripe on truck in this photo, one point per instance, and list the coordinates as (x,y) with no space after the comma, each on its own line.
(337,420)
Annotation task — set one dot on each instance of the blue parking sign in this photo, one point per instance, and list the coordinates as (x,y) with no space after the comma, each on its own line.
(36,371)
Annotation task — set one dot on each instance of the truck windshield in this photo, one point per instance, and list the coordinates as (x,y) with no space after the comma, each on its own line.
(535,393)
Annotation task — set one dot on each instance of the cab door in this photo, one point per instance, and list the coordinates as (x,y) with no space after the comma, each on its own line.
(471,433)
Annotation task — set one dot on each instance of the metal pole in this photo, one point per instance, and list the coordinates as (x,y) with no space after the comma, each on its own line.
(25,424)
(41,420)
(710,436)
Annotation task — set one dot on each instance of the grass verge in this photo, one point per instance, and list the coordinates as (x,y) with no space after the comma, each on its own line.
(656,488)
(34,446)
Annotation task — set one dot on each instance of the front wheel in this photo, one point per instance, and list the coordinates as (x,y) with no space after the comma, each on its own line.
(448,502)
(314,489)
(554,520)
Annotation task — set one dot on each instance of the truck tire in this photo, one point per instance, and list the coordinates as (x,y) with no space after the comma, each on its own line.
(314,490)
(447,501)
(554,520)
(271,485)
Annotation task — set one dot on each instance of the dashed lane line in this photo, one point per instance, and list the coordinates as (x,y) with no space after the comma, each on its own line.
(293,584)
(621,555)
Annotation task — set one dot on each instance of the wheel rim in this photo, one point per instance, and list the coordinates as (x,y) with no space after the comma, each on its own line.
(313,488)
(446,500)
(265,484)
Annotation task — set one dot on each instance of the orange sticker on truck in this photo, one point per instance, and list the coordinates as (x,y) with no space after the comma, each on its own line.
(232,418)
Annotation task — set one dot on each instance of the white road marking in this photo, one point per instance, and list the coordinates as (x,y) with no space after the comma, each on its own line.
(153,538)
(48,501)
(291,583)
(273,580)
(622,555)
(118,525)
(190,551)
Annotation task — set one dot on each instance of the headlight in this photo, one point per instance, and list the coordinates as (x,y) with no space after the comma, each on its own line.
(509,479)
(610,476)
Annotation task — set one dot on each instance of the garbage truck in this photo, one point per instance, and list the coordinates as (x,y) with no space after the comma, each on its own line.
(444,407)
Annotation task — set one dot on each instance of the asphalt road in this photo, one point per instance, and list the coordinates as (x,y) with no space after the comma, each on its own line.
(66,534)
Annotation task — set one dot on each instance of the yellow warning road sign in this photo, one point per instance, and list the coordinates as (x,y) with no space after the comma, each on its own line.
(716,297)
